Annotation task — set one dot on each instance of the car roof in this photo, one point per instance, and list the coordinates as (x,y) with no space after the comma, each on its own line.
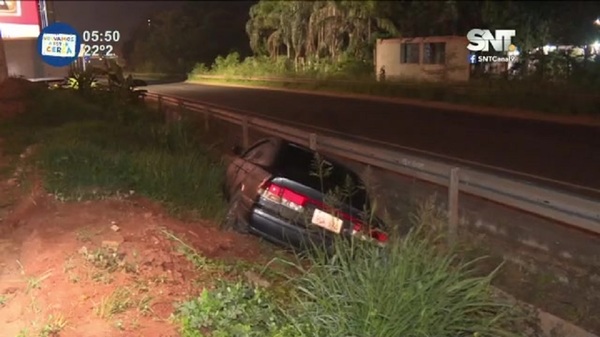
(324,157)
(282,142)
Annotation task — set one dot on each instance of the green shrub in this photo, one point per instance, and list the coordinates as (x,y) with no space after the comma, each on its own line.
(233,309)
(227,65)
(263,66)
(199,69)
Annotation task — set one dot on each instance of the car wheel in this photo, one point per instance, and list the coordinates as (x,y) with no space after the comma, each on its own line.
(232,218)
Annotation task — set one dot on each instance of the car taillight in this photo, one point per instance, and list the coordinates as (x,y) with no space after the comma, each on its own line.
(283,196)
(297,202)
(360,230)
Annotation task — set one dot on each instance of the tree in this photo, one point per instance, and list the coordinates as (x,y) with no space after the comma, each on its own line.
(527,19)
(174,41)
(572,22)
(425,18)
(317,29)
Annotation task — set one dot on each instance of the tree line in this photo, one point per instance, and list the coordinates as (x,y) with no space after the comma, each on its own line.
(335,30)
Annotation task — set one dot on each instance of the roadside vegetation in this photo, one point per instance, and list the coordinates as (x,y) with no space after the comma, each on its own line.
(415,291)
(577,97)
(328,46)
(90,143)
(97,143)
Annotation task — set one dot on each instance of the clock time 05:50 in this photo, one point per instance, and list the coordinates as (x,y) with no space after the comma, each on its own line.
(98,36)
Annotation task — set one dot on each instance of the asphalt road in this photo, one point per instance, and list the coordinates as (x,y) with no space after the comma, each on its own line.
(565,153)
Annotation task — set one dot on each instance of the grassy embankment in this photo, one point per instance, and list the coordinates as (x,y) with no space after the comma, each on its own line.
(89,149)
(527,94)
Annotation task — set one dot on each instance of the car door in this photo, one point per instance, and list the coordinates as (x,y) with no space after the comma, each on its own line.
(254,166)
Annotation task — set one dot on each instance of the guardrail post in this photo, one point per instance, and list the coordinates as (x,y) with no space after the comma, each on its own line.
(206,119)
(245,139)
(453,206)
(181,110)
(312,141)
(159,99)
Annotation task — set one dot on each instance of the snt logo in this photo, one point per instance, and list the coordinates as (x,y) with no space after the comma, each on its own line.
(481,39)
(474,58)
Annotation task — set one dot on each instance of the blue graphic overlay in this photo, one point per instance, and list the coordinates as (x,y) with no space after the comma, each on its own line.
(473,58)
(59,44)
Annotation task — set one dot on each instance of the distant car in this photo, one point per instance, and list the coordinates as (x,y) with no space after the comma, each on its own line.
(273,192)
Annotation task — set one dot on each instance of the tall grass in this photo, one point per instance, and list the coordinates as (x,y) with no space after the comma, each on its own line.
(84,160)
(414,286)
(411,287)
(406,289)
(87,151)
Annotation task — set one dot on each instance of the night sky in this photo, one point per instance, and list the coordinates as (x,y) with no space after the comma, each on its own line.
(109,15)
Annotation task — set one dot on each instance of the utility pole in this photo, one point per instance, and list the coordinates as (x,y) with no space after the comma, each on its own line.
(47,15)
(3,64)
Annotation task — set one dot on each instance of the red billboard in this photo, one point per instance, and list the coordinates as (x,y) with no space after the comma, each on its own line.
(19,19)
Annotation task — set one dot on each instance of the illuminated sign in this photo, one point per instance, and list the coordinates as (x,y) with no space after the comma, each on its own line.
(59,44)
(19,19)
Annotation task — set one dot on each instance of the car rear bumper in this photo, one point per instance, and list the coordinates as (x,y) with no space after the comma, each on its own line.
(275,228)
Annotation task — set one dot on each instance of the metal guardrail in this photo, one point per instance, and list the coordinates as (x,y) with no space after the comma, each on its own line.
(566,208)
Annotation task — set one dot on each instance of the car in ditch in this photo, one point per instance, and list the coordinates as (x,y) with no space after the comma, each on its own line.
(295,197)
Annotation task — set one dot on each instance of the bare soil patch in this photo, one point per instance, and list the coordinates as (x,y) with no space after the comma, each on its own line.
(100,268)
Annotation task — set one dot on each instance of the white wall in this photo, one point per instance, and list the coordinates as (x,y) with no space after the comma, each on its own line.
(456,67)
(23,59)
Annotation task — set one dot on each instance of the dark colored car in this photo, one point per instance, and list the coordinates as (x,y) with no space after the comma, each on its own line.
(275,190)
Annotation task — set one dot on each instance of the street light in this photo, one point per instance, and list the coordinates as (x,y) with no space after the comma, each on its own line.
(596,47)
(597,22)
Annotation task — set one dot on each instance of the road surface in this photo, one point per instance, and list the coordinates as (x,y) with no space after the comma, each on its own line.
(565,153)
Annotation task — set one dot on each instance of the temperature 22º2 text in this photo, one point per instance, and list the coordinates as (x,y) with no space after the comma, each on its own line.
(97,50)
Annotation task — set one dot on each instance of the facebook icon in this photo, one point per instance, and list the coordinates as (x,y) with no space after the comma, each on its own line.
(473,59)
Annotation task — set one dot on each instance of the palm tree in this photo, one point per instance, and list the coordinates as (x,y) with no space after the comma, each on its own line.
(300,13)
(317,29)
(337,27)
(263,28)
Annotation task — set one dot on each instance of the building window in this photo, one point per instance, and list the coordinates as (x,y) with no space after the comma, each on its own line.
(409,53)
(434,53)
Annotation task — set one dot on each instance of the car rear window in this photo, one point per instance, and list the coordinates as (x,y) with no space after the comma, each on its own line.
(301,165)
(262,153)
